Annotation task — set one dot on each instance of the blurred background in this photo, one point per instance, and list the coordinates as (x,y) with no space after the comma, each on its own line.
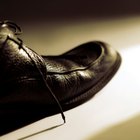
(58,10)
(54,26)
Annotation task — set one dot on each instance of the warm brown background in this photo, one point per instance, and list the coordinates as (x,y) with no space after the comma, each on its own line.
(33,10)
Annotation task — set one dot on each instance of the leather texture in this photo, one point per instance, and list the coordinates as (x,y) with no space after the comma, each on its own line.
(73,77)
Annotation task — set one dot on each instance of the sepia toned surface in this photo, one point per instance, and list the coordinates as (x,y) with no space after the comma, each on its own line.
(114,112)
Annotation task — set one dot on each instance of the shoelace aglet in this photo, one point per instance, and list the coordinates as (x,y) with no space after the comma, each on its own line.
(63,117)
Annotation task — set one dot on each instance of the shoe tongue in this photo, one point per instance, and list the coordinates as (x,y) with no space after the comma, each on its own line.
(19,62)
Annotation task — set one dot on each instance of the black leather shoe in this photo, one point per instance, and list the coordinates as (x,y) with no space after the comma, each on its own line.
(34,86)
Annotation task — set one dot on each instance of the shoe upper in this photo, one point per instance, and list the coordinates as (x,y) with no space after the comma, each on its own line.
(79,69)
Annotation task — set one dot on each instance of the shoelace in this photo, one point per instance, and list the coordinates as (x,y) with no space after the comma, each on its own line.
(17,31)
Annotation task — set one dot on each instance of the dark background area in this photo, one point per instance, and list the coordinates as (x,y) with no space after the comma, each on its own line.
(63,10)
